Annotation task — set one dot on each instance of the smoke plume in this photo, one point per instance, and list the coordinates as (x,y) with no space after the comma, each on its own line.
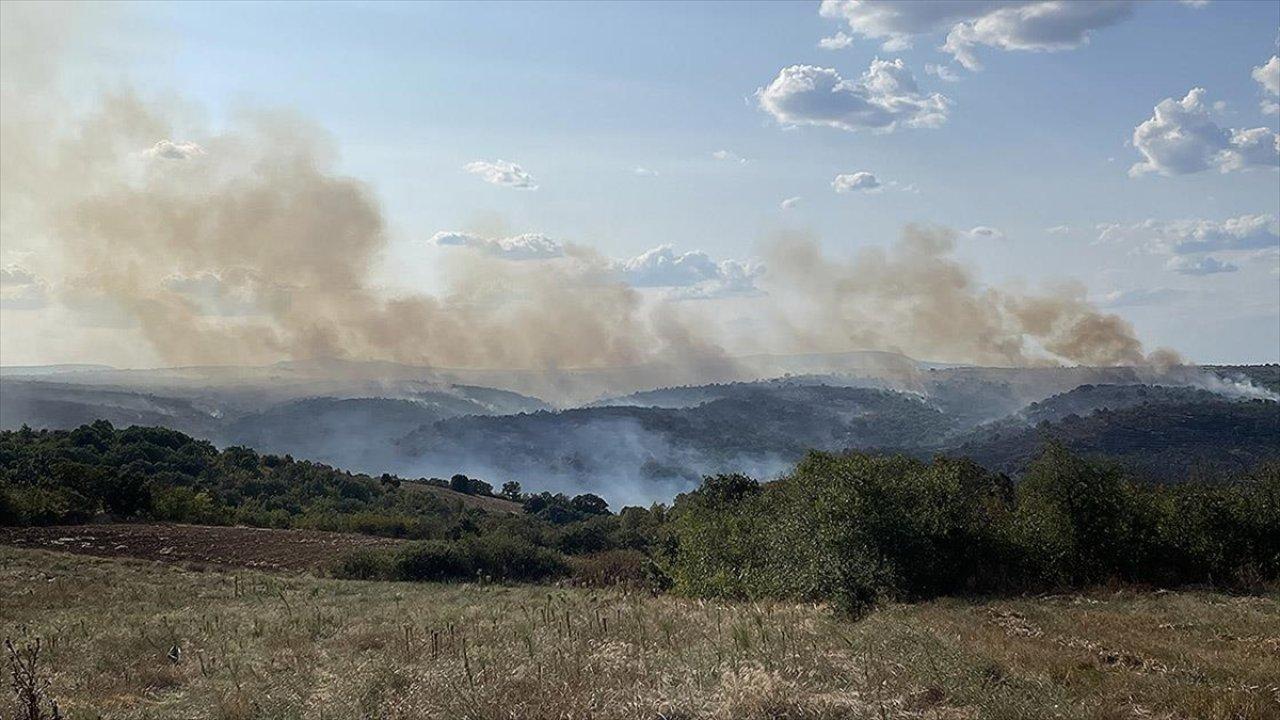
(245,246)
(917,299)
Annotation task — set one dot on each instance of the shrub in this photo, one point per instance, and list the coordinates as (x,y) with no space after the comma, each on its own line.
(365,564)
(855,529)
(433,560)
(627,569)
(495,557)
(502,557)
(595,534)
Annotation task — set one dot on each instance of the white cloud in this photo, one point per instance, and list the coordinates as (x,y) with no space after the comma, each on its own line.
(169,150)
(693,275)
(942,72)
(789,202)
(21,289)
(529,246)
(729,156)
(839,41)
(1058,230)
(644,172)
(884,97)
(983,232)
(1207,265)
(1195,4)
(1181,138)
(1268,76)
(1040,27)
(1137,297)
(1025,25)
(501,172)
(1182,237)
(856,182)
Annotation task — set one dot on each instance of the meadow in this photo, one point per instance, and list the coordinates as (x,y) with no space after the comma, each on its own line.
(262,645)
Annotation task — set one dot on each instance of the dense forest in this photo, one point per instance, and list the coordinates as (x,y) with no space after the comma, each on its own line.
(851,528)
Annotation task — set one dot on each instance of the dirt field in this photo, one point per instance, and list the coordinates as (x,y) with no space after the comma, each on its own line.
(258,548)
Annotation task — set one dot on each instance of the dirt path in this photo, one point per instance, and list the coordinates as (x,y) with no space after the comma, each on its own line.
(259,548)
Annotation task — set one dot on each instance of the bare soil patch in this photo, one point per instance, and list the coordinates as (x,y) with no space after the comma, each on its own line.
(259,548)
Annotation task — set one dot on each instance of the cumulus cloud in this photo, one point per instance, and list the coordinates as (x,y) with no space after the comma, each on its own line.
(501,172)
(644,172)
(1138,297)
(169,150)
(789,203)
(1040,27)
(1028,25)
(21,289)
(1182,138)
(1058,230)
(692,274)
(856,182)
(983,232)
(882,99)
(1189,236)
(1268,76)
(1207,265)
(686,275)
(529,246)
(942,72)
(729,156)
(839,41)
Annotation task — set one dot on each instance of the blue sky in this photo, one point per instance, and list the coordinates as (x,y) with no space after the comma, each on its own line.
(580,95)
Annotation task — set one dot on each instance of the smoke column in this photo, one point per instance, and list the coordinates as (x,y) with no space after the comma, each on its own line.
(246,247)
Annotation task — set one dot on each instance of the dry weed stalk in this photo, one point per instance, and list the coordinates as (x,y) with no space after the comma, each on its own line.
(30,689)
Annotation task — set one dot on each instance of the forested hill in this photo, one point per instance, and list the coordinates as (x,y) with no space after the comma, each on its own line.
(1166,441)
(57,476)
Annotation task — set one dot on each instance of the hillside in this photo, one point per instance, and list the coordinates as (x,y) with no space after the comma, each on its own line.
(59,476)
(637,448)
(640,453)
(1168,441)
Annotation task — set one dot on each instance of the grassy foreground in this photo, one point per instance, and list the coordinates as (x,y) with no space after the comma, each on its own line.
(257,645)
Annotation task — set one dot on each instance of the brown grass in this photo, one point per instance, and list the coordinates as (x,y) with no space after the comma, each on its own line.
(256,645)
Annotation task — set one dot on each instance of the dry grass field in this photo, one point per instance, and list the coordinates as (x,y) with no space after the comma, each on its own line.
(260,645)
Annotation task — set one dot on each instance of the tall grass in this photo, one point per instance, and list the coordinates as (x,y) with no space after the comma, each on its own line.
(256,645)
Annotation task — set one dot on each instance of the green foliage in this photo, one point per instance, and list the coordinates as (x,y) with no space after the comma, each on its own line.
(494,557)
(628,569)
(436,560)
(52,477)
(365,564)
(855,529)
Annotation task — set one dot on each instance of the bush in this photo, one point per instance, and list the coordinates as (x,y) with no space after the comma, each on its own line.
(627,569)
(503,557)
(496,556)
(856,529)
(433,560)
(365,564)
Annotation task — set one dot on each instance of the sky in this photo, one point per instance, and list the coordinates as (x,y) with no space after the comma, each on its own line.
(1127,147)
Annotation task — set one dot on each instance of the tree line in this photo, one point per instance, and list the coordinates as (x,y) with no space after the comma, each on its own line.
(852,529)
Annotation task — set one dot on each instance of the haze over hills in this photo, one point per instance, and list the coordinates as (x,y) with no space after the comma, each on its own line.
(640,446)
